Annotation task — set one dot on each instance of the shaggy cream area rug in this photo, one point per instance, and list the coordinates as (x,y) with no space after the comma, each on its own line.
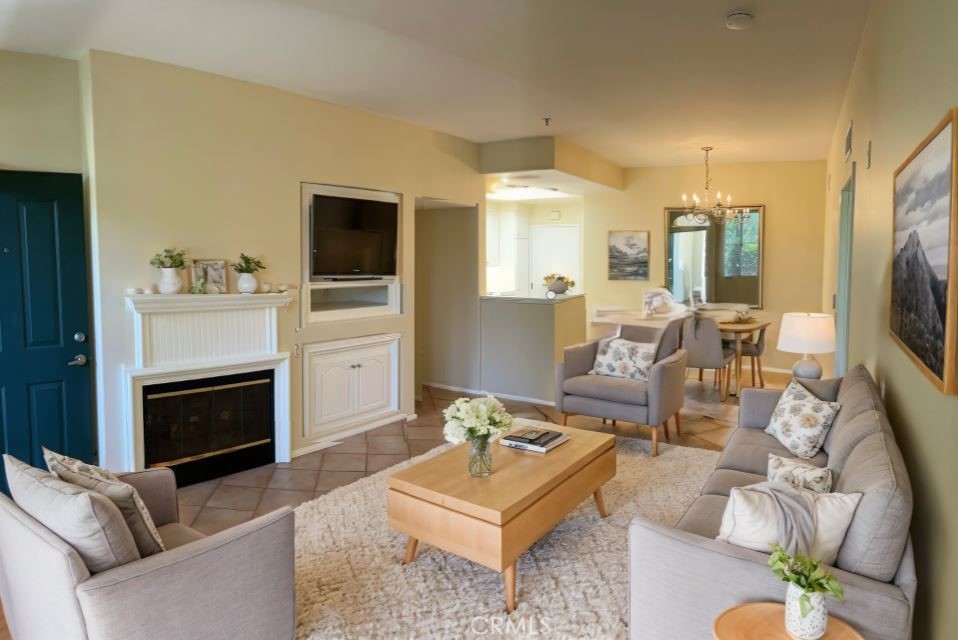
(573,583)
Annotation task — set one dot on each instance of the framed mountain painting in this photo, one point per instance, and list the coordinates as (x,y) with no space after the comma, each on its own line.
(924,273)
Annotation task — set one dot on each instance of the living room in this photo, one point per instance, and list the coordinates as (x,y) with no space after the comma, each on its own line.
(212,129)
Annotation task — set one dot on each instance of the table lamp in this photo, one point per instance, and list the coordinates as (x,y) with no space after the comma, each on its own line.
(808,334)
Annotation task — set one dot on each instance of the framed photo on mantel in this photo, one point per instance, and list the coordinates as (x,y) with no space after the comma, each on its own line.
(924,273)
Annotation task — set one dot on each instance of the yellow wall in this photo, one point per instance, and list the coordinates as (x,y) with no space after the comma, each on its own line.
(903,83)
(186,158)
(39,113)
(792,193)
(447,297)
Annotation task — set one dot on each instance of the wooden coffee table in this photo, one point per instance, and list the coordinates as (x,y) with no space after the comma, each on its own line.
(493,520)
(766,621)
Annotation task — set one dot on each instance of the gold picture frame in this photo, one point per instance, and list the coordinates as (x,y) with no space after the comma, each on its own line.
(923,313)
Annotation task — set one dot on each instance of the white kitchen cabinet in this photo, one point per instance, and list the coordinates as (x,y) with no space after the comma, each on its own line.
(350,384)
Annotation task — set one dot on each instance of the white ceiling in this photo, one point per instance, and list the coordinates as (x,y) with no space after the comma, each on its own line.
(642,82)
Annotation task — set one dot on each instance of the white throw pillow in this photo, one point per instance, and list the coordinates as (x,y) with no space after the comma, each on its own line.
(750,520)
(625,359)
(123,495)
(801,421)
(800,475)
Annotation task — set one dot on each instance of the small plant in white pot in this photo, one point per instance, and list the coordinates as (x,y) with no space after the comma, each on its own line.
(169,261)
(246,267)
(806,617)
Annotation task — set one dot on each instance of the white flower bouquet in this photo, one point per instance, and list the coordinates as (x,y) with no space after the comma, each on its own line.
(478,421)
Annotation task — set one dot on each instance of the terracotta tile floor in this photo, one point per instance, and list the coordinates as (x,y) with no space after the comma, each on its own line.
(218,504)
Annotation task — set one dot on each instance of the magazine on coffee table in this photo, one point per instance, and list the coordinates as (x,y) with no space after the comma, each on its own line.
(539,440)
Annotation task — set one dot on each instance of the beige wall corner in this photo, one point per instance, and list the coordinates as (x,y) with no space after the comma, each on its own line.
(902,85)
(40,128)
(577,161)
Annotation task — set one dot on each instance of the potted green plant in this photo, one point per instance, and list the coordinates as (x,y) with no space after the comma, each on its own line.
(806,617)
(169,261)
(246,267)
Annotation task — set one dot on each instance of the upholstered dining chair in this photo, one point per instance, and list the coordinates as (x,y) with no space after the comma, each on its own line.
(652,402)
(755,350)
(703,341)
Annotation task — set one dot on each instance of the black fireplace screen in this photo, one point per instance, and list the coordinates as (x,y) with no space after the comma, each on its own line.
(226,418)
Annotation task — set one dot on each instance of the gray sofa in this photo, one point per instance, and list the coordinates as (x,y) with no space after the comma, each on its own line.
(651,402)
(235,584)
(682,578)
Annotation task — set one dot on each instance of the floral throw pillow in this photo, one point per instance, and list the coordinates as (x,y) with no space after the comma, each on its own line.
(625,359)
(800,475)
(801,421)
(123,495)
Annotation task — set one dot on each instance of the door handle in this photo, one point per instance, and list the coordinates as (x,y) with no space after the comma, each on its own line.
(78,361)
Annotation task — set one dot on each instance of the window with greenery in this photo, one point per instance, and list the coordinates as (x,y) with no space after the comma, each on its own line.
(740,250)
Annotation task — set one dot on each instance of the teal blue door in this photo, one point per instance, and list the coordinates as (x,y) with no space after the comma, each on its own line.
(44,317)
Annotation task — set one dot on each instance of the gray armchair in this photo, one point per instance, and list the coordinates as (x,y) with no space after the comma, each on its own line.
(703,340)
(651,402)
(238,583)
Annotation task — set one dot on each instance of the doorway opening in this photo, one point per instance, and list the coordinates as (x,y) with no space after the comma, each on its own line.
(529,240)
(846,230)
(447,295)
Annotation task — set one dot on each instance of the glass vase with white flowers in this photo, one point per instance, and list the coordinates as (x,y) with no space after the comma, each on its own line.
(478,421)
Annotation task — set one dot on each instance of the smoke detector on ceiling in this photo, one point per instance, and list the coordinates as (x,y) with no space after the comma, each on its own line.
(739,20)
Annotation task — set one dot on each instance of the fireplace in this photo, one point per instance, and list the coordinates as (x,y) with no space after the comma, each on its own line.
(210,427)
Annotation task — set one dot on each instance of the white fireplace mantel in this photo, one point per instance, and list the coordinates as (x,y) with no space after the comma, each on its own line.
(187,337)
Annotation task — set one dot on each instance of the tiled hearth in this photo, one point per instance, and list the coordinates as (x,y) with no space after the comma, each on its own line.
(219,504)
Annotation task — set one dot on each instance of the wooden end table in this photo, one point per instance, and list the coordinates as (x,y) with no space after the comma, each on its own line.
(493,520)
(766,621)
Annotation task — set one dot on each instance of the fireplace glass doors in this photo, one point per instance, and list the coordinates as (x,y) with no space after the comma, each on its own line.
(210,427)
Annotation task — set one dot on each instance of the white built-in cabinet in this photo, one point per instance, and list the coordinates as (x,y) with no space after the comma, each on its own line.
(350,384)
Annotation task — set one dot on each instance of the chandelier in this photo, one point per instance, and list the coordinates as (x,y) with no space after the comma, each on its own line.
(705,209)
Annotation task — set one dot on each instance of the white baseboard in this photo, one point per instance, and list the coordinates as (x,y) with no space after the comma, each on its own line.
(411,416)
(506,396)
(315,446)
(449,387)
(348,432)
(772,369)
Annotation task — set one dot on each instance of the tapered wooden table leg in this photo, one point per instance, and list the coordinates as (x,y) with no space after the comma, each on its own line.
(509,574)
(600,502)
(410,550)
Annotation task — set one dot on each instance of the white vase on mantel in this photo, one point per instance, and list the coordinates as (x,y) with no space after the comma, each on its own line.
(170,282)
(246,283)
(814,625)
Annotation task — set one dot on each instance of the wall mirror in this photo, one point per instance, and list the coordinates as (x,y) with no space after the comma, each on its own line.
(715,263)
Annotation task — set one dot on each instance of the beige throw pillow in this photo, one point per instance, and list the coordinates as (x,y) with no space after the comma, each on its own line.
(123,495)
(801,421)
(84,519)
(799,474)
(622,358)
(751,521)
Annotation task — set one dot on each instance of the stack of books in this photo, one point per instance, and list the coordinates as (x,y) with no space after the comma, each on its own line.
(540,440)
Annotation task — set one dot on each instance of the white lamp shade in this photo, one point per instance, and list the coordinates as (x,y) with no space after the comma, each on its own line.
(807,333)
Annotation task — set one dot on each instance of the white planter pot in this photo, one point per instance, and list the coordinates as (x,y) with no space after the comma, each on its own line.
(246,283)
(813,625)
(169,281)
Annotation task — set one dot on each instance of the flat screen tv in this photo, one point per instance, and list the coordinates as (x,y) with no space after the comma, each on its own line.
(352,237)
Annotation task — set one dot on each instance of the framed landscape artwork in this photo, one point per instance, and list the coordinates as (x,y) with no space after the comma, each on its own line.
(628,255)
(924,277)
